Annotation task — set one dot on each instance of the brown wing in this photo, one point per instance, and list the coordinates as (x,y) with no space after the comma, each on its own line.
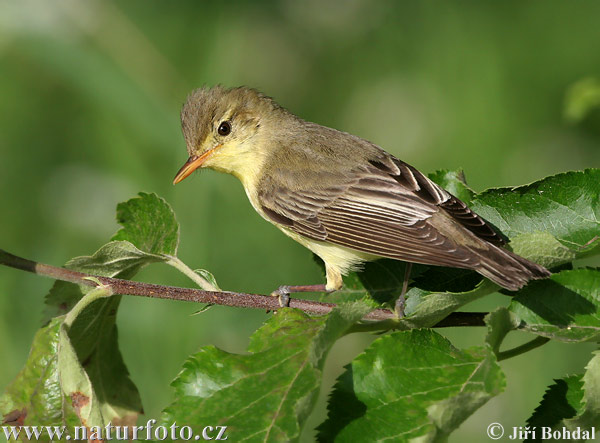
(383,208)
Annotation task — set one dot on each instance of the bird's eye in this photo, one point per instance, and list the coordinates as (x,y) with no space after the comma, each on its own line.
(224,128)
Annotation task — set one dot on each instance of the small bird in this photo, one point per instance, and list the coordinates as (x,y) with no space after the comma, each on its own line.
(342,197)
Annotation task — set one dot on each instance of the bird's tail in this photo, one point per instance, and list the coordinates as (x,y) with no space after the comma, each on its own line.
(508,269)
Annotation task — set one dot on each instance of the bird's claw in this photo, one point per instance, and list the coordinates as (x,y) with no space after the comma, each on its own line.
(400,305)
(283,295)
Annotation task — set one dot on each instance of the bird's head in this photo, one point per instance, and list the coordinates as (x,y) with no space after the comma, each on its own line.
(224,130)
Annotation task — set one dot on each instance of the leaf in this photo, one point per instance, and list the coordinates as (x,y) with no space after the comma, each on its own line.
(343,407)
(562,400)
(453,182)
(267,394)
(572,402)
(55,388)
(149,229)
(412,384)
(588,416)
(565,307)
(118,259)
(34,396)
(381,282)
(552,221)
(500,322)
(208,277)
(149,223)
(76,386)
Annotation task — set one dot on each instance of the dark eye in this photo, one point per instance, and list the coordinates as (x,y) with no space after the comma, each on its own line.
(224,128)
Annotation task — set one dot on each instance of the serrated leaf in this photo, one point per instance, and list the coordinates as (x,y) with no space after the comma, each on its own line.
(343,407)
(565,307)
(572,403)
(34,396)
(149,223)
(552,221)
(589,416)
(561,400)
(268,394)
(56,389)
(413,384)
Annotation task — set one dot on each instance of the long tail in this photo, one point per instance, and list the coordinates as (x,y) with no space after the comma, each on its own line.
(508,269)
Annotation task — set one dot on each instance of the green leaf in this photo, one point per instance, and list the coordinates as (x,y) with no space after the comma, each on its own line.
(93,334)
(267,394)
(208,277)
(149,223)
(55,388)
(34,397)
(565,307)
(589,415)
(76,385)
(572,402)
(343,407)
(499,322)
(381,282)
(412,384)
(562,400)
(552,221)
(453,182)
(118,259)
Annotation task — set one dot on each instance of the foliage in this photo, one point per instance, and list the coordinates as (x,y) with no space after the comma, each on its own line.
(411,383)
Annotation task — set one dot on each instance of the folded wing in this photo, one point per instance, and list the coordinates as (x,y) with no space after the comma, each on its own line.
(383,208)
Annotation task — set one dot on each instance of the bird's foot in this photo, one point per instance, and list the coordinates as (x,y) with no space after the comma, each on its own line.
(283,292)
(401,302)
(283,295)
(400,305)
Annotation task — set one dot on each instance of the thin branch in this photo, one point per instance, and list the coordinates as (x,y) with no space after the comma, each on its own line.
(237,299)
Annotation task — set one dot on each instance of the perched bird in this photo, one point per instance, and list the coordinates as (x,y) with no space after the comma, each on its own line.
(341,196)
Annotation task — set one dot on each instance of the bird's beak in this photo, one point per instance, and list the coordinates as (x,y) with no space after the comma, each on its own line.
(193,163)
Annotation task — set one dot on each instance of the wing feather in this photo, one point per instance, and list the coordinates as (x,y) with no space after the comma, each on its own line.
(383,208)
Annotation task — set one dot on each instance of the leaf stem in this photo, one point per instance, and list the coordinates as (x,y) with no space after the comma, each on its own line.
(237,299)
(186,270)
(532,344)
(100,291)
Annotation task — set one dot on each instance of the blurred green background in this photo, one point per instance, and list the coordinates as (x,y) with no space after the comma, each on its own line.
(89,115)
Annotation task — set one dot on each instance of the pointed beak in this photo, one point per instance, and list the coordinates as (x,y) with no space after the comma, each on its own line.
(193,163)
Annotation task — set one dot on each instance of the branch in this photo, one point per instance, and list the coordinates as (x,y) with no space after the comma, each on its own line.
(237,299)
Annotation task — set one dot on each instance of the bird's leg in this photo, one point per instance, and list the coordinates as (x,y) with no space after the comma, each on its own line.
(283,292)
(402,298)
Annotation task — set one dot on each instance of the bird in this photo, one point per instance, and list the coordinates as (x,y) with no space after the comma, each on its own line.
(342,197)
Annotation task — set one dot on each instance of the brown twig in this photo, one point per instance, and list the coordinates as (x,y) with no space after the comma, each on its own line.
(238,299)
